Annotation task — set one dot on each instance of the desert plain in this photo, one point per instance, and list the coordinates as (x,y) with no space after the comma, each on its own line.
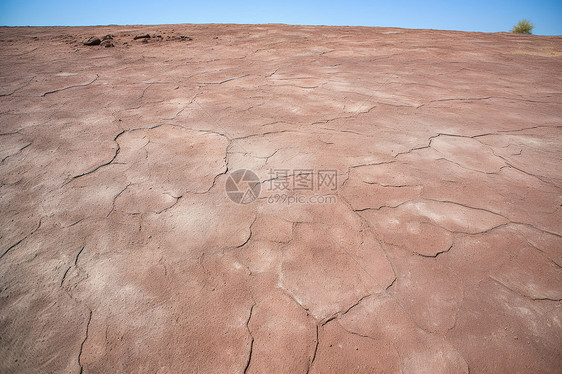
(408,214)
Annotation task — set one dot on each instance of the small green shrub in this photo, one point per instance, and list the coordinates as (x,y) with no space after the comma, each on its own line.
(523,27)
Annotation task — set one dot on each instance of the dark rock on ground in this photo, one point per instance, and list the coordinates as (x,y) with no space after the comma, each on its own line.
(142,36)
(94,40)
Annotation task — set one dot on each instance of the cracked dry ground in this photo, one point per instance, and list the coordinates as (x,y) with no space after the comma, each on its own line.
(121,252)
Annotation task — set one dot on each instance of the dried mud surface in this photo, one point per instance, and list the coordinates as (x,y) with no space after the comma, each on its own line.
(121,252)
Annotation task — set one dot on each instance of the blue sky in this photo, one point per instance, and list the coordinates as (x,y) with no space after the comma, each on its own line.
(475,15)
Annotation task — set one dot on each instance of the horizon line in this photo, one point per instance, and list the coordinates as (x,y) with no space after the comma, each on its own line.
(280,24)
